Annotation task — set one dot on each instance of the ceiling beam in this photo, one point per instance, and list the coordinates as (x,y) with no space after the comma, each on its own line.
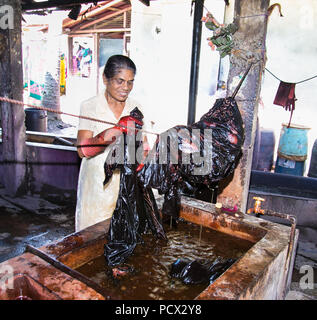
(53,3)
(68,23)
(104,17)
(146,2)
(101,31)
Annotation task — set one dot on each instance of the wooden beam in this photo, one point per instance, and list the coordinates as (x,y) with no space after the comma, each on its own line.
(104,17)
(12,116)
(116,22)
(251,18)
(68,23)
(100,31)
(89,35)
(145,2)
(54,3)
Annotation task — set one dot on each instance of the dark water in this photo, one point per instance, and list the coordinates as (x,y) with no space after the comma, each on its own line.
(152,262)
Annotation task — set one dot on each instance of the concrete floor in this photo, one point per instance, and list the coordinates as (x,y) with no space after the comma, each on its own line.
(37,221)
(32,220)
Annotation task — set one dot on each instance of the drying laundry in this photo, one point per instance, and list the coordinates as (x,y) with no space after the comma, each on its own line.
(285,97)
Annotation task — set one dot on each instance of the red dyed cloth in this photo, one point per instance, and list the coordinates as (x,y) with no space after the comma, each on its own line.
(285,97)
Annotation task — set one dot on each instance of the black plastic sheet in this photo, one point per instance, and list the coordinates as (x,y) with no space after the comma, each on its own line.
(199,272)
(136,211)
(182,159)
(186,157)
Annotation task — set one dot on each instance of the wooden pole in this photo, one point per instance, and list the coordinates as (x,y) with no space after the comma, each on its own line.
(11,86)
(251,18)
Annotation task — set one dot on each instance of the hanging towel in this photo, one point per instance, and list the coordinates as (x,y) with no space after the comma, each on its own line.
(285,97)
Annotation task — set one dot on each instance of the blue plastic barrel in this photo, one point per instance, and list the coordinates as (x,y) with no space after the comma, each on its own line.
(288,166)
(292,150)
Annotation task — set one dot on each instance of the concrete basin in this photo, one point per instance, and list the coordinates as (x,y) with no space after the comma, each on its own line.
(263,272)
(24,287)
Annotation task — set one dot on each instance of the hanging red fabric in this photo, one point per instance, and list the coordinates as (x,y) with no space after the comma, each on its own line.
(285,97)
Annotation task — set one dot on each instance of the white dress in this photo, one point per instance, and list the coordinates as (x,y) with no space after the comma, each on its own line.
(96,202)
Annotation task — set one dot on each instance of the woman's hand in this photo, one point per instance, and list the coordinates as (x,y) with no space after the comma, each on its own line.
(128,124)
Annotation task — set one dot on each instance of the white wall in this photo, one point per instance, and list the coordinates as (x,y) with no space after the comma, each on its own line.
(164,59)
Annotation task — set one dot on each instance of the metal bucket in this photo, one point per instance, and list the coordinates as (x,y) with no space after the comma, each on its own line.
(292,150)
(35,120)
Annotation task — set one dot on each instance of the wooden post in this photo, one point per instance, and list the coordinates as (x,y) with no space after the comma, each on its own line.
(11,86)
(251,18)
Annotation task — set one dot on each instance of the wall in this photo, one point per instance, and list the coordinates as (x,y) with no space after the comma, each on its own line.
(52,165)
(50,168)
(286,194)
(163,61)
(161,44)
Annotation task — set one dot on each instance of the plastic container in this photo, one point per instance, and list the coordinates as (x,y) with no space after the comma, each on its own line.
(266,150)
(293,142)
(288,166)
(292,150)
(313,162)
(35,120)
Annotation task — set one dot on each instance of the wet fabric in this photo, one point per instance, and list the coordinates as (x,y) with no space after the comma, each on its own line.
(136,211)
(186,157)
(285,97)
(199,272)
(181,160)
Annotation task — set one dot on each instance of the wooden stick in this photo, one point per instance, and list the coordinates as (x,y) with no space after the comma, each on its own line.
(71,272)
(241,81)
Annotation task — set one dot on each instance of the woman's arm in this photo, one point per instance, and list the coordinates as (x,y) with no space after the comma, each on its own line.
(89,146)
(81,136)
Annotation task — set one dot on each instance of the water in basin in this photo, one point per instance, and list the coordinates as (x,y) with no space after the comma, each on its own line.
(153,259)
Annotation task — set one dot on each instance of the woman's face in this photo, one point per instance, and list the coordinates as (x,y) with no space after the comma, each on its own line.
(120,85)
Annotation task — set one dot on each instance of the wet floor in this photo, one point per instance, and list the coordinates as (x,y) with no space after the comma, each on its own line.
(32,220)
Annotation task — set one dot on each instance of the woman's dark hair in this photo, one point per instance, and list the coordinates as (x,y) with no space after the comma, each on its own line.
(117,62)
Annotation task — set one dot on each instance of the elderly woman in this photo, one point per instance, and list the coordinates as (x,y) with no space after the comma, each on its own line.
(96,202)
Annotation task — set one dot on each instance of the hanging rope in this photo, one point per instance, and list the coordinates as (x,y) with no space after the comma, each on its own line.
(4,99)
(293,82)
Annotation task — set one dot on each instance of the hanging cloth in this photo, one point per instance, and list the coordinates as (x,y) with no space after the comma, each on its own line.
(285,97)
(62,78)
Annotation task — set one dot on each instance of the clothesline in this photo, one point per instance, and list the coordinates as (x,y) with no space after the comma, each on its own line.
(293,82)
(21,103)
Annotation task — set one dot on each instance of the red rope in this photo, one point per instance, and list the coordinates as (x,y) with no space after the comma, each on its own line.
(4,99)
